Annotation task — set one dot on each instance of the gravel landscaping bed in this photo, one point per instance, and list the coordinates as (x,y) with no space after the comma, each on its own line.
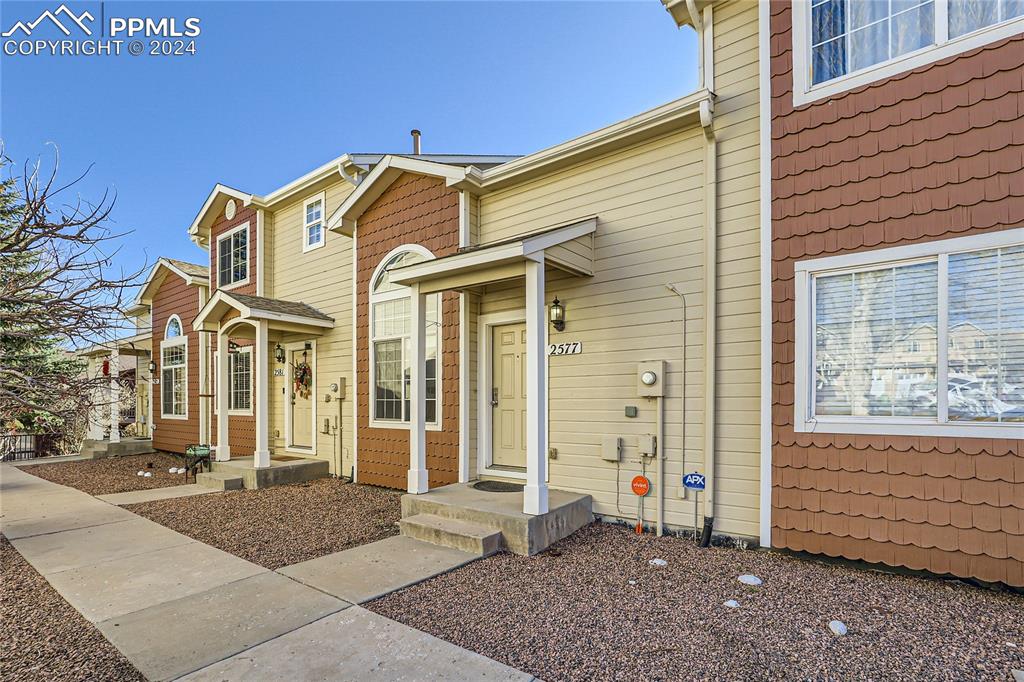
(283,525)
(112,474)
(45,638)
(593,608)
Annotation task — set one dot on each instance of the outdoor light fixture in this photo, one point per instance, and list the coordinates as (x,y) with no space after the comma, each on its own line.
(279,354)
(152,367)
(557,314)
(232,347)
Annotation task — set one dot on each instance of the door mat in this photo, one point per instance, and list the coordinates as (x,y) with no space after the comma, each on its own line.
(499,487)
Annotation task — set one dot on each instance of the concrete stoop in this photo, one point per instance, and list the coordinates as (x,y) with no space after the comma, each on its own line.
(280,471)
(471,520)
(99,449)
(219,481)
(474,538)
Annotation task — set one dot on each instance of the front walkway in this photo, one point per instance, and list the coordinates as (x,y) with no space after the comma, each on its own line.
(175,606)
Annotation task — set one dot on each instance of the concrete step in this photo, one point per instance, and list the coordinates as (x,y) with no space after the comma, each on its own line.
(474,538)
(219,481)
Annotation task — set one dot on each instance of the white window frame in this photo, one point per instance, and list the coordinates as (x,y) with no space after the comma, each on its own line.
(804,92)
(804,420)
(306,246)
(248,258)
(391,296)
(235,411)
(181,340)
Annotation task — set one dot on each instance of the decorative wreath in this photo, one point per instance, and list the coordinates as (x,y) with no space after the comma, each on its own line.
(302,375)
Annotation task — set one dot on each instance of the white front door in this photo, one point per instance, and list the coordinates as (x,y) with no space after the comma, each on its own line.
(299,397)
(508,396)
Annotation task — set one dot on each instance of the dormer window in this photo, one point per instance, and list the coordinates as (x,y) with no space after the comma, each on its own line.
(313,233)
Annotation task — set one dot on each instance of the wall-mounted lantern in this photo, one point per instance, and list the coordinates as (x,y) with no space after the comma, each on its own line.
(152,367)
(279,354)
(557,315)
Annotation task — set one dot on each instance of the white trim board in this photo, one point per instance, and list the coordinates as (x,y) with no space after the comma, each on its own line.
(805,93)
(765,170)
(805,272)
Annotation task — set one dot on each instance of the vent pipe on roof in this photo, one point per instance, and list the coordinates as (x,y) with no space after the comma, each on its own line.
(415,141)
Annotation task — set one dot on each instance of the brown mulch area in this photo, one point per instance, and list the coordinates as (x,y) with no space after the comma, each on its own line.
(283,525)
(593,608)
(112,474)
(42,637)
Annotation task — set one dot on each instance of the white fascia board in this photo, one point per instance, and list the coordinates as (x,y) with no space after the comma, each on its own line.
(273,315)
(578,148)
(573,230)
(380,178)
(411,274)
(196,227)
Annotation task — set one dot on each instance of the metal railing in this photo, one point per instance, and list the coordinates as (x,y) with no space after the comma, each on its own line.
(21,446)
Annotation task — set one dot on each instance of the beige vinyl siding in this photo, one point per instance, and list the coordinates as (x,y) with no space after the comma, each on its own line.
(321,278)
(649,200)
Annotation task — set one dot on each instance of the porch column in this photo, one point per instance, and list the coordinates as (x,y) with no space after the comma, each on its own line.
(260,375)
(535,495)
(115,396)
(223,446)
(150,398)
(418,397)
(95,411)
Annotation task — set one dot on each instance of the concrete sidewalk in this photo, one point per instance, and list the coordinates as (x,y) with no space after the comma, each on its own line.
(175,606)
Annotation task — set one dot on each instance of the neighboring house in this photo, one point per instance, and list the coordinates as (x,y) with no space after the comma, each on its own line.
(282,298)
(897,227)
(170,299)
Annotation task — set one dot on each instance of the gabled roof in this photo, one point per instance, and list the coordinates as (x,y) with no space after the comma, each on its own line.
(349,167)
(193,274)
(647,125)
(382,176)
(290,315)
(686,12)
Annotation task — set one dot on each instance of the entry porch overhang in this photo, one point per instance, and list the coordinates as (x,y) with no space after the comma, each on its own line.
(567,247)
(237,315)
(225,308)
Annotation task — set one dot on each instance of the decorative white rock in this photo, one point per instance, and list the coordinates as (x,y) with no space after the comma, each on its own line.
(658,562)
(148,474)
(750,580)
(141,473)
(172,470)
(837,627)
(732,604)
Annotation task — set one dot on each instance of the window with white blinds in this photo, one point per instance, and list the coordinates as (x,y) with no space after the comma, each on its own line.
(932,339)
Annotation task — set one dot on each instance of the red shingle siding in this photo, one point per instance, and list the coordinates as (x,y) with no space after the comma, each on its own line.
(933,153)
(413,210)
(223,225)
(175,297)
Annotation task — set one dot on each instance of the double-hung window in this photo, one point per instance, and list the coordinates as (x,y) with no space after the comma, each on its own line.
(240,376)
(919,340)
(233,257)
(313,233)
(174,371)
(391,347)
(842,44)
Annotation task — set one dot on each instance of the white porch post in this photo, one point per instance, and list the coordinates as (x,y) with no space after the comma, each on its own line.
(150,398)
(418,398)
(223,446)
(95,413)
(260,374)
(115,396)
(535,495)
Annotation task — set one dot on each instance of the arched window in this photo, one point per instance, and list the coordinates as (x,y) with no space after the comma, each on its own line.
(174,371)
(173,328)
(391,345)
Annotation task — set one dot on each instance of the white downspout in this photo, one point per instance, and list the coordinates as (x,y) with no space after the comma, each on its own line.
(710,270)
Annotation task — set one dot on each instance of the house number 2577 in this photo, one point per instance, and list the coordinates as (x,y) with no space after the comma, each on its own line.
(568,348)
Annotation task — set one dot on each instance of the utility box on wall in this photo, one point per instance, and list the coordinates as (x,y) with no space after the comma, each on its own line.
(611,448)
(650,379)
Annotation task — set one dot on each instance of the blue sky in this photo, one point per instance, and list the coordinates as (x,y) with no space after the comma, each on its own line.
(278,88)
